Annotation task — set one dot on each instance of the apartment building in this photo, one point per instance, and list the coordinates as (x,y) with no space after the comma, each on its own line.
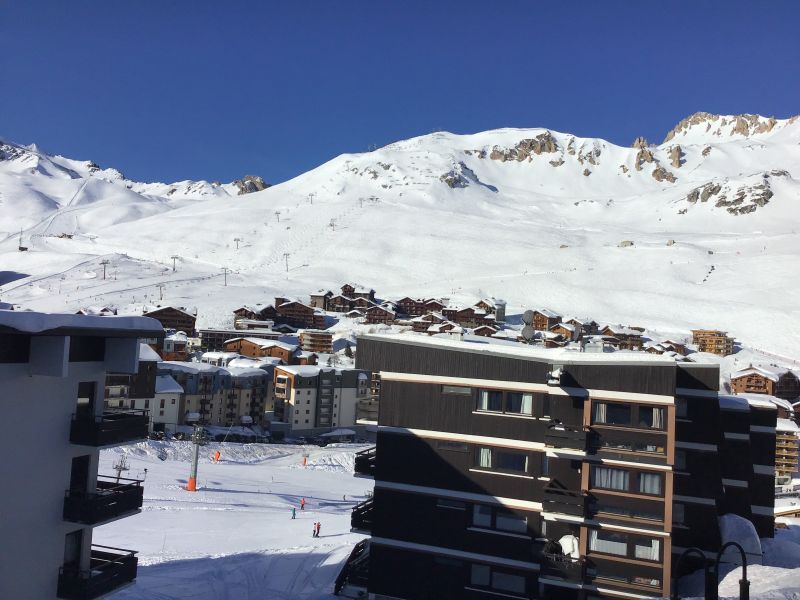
(176,318)
(316,341)
(53,372)
(312,399)
(516,472)
(203,386)
(214,339)
(787,450)
(713,341)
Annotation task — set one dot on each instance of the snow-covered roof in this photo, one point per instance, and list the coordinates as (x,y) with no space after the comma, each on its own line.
(245,372)
(727,402)
(36,322)
(751,370)
(247,362)
(301,370)
(620,330)
(764,400)
(550,314)
(491,346)
(178,336)
(787,425)
(567,326)
(192,312)
(165,384)
(220,355)
(264,343)
(189,367)
(338,433)
(147,354)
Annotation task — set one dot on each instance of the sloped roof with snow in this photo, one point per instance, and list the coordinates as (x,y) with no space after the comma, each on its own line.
(165,384)
(25,321)
(751,370)
(787,426)
(189,367)
(147,354)
(550,314)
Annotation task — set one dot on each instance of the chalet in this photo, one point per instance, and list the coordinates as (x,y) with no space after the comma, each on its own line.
(379,314)
(354,314)
(409,306)
(420,324)
(173,347)
(445,327)
(358,292)
(484,331)
(100,311)
(319,299)
(297,314)
(628,338)
(587,326)
(544,319)
(251,313)
(487,304)
(568,331)
(341,303)
(362,303)
(788,386)
(468,317)
(290,354)
(754,380)
(316,340)
(173,317)
(432,304)
(713,341)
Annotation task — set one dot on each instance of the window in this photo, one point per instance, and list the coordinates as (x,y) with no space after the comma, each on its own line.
(611,413)
(485,458)
(519,403)
(162,403)
(452,446)
(610,479)
(678,513)
(451,504)
(545,465)
(646,549)
(651,418)
(506,521)
(481,575)
(482,516)
(146,404)
(510,461)
(173,401)
(508,582)
(456,390)
(681,407)
(650,483)
(546,405)
(608,542)
(680,459)
(490,400)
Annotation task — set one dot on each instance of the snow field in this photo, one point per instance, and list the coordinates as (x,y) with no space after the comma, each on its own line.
(234,537)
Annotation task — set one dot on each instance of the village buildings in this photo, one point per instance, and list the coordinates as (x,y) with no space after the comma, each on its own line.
(290,354)
(316,341)
(174,318)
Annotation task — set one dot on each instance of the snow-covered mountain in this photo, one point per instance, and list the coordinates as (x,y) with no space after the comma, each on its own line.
(700,230)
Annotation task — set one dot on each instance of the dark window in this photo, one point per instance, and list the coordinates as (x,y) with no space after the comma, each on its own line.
(491,400)
(14,348)
(609,413)
(456,390)
(452,446)
(681,407)
(517,402)
(546,405)
(651,417)
(510,461)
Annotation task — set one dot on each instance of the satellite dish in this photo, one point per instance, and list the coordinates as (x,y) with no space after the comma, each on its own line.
(528,332)
(527,317)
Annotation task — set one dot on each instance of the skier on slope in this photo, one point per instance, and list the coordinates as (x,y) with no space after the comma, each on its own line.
(319,524)
(302,503)
(294,512)
(314,529)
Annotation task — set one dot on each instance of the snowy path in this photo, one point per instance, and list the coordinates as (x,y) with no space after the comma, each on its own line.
(235,538)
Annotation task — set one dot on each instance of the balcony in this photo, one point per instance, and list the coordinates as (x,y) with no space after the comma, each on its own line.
(560,436)
(365,463)
(110,428)
(111,500)
(110,569)
(355,572)
(563,501)
(362,517)
(563,567)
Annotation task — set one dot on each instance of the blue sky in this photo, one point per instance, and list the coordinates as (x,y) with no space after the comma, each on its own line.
(167,90)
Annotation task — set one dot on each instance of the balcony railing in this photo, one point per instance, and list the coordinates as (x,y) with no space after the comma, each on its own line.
(355,571)
(112,499)
(365,462)
(563,567)
(110,569)
(110,428)
(560,436)
(564,501)
(362,516)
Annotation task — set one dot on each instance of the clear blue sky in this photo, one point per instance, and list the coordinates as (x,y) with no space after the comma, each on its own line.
(167,90)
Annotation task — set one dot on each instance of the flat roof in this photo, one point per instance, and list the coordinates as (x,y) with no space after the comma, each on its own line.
(489,346)
(37,323)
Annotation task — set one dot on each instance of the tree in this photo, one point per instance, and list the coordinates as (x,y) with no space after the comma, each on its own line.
(348,351)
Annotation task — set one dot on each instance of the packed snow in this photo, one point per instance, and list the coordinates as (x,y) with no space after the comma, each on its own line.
(235,538)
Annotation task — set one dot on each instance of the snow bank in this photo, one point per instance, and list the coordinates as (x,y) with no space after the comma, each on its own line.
(182,451)
(734,528)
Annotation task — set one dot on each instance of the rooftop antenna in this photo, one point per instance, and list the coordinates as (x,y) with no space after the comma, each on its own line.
(174,257)
(104,262)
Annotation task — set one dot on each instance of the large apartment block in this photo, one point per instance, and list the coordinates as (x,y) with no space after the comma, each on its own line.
(53,375)
(312,399)
(513,472)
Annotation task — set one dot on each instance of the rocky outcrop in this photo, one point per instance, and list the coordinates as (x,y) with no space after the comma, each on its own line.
(454,179)
(706,150)
(586,172)
(640,142)
(642,156)
(661,174)
(557,163)
(745,125)
(737,199)
(249,184)
(542,143)
(675,156)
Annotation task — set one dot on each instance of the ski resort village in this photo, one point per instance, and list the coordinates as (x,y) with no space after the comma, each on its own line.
(400,301)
